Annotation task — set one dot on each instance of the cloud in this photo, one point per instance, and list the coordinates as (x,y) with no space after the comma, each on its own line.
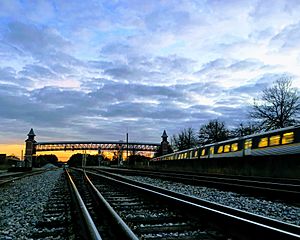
(33,40)
(158,70)
(288,38)
(248,92)
(247,64)
(167,19)
(8,75)
(36,71)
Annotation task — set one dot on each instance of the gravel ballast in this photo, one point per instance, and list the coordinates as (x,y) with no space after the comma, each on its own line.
(272,209)
(22,203)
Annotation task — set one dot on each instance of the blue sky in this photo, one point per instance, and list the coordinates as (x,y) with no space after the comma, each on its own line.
(91,70)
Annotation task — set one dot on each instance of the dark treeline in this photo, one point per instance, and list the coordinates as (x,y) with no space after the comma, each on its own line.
(91,160)
(42,160)
(277,107)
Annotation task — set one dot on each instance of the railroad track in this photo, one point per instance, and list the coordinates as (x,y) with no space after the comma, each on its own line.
(58,215)
(10,177)
(37,207)
(283,189)
(231,222)
(141,216)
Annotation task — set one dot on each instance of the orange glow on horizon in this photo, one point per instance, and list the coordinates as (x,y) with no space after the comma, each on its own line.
(16,150)
(12,149)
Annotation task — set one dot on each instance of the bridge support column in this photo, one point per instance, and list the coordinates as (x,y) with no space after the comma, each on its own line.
(30,150)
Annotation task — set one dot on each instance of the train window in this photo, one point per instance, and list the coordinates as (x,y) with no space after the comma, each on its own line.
(288,138)
(211,150)
(248,144)
(203,152)
(275,140)
(226,148)
(220,149)
(196,153)
(234,147)
(263,142)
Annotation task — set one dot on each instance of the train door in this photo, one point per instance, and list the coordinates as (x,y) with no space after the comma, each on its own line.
(247,147)
(211,151)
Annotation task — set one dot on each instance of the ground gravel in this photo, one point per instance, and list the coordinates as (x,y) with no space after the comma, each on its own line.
(277,210)
(22,203)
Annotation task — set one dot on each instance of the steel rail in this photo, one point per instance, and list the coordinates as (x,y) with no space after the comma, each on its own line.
(287,191)
(92,230)
(126,231)
(239,221)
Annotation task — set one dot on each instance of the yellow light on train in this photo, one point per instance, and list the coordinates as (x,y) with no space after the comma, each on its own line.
(288,138)
(275,140)
(211,150)
(234,147)
(220,149)
(263,142)
(248,144)
(203,152)
(226,148)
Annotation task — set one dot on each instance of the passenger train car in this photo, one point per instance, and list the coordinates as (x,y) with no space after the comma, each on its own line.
(284,141)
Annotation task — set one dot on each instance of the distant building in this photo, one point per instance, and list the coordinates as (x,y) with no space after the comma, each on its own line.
(9,161)
(2,159)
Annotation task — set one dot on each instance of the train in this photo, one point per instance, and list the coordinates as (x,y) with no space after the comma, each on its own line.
(284,141)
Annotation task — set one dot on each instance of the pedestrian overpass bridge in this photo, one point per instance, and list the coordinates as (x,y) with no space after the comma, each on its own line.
(96,145)
(32,146)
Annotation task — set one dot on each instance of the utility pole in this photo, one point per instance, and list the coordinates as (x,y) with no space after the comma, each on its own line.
(127,146)
(99,156)
(83,163)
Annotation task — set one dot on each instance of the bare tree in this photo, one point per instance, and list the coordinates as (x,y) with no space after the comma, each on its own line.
(214,131)
(278,106)
(245,129)
(185,139)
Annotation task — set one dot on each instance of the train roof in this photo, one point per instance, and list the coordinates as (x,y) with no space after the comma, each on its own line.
(272,131)
(254,135)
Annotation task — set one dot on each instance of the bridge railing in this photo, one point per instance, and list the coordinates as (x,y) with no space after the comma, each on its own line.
(72,146)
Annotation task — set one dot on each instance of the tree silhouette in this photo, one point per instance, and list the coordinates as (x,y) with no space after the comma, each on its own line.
(244,130)
(278,107)
(185,139)
(214,131)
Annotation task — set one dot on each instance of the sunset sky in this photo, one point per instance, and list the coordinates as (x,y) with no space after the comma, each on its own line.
(93,70)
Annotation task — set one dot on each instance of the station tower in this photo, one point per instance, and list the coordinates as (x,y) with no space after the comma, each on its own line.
(30,149)
(164,143)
